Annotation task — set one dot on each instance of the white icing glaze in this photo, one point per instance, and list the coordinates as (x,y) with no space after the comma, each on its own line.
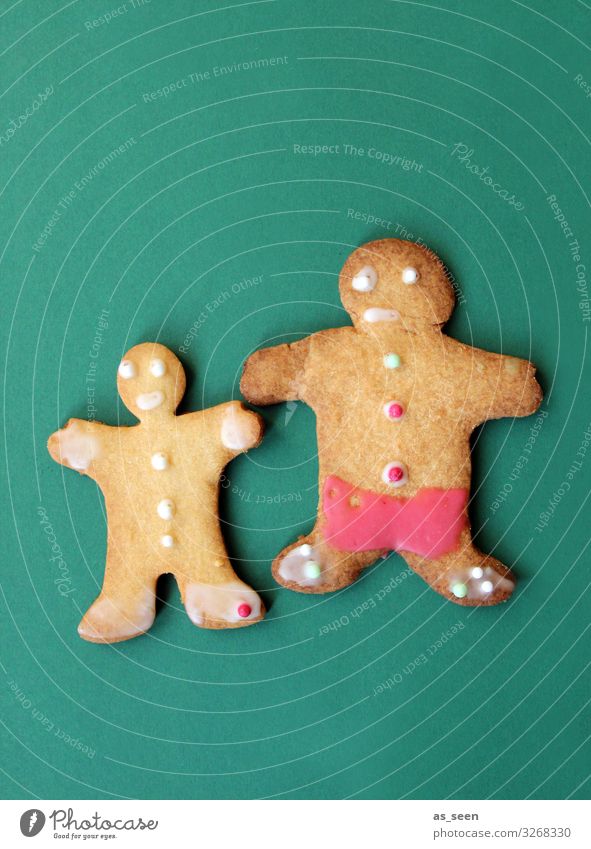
(159,461)
(165,509)
(396,464)
(365,279)
(302,565)
(220,602)
(149,400)
(108,619)
(127,369)
(78,448)
(410,275)
(478,582)
(235,431)
(157,367)
(167,541)
(374,314)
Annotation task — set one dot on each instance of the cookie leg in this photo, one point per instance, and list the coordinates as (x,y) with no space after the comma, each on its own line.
(310,565)
(213,595)
(125,607)
(466,576)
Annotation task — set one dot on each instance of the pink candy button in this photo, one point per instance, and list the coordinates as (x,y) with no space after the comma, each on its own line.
(393,410)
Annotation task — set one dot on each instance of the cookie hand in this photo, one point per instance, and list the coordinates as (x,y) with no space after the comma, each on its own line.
(76,446)
(503,386)
(272,375)
(240,429)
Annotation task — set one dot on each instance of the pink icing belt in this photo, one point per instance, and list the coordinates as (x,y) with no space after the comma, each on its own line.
(430,523)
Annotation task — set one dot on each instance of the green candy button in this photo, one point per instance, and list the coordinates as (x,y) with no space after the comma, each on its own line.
(391,360)
(312,569)
(459,590)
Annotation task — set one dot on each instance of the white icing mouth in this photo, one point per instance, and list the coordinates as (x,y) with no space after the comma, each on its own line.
(149,400)
(374,314)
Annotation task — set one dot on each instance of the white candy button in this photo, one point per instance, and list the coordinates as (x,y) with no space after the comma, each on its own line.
(165,509)
(159,461)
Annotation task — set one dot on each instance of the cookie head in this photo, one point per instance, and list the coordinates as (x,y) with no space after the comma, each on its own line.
(395,282)
(151,381)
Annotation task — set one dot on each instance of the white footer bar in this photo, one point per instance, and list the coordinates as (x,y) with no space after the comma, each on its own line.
(287,824)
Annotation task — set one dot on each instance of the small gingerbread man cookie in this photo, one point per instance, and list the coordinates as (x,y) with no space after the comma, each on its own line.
(396,401)
(160,479)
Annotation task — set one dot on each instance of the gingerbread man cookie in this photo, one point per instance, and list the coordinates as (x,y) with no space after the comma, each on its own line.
(396,401)
(160,479)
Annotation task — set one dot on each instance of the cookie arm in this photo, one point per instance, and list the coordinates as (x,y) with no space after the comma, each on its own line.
(78,445)
(272,375)
(505,386)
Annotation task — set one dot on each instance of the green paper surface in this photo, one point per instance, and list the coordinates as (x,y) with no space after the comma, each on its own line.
(196,174)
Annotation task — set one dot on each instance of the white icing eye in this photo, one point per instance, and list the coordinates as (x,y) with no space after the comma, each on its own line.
(165,509)
(167,541)
(410,275)
(158,368)
(127,369)
(365,279)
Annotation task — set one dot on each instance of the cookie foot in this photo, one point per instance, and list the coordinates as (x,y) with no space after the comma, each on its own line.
(480,585)
(468,578)
(110,620)
(229,605)
(311,566)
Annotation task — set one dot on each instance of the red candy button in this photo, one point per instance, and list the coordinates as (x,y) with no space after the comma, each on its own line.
(244,610)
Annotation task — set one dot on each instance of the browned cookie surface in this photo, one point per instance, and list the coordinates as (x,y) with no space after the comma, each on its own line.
(396,401)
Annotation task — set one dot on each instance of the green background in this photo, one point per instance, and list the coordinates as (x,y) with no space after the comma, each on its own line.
(211,191)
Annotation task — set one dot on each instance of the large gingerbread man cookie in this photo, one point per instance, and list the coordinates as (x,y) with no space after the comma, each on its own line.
(396,401)
(160,479)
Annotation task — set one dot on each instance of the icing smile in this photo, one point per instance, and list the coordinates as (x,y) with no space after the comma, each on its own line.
(374,314)
(149,400)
